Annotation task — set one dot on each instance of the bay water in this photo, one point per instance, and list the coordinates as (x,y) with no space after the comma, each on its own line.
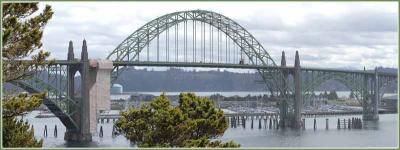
(383,133)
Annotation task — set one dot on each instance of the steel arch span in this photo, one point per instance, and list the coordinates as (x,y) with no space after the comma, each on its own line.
(51,80)
(134,44)
(130,48)
(352,81)
(368,88)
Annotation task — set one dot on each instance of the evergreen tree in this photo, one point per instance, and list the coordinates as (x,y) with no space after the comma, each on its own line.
(17,133)
(332,95)
(335,96)
(326,95)
(351,94)
(192,123)
(21,34)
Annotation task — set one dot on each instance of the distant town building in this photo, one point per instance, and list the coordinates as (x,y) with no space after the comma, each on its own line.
(116,89)
(119,101)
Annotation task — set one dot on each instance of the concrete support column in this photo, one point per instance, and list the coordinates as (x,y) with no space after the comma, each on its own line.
(376,99)
(99,89)
(298,100)
(366,97)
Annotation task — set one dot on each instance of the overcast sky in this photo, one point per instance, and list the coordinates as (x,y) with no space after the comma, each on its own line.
(327,34)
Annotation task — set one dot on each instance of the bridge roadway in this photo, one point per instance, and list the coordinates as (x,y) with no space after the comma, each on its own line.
(219,65)
(108,117)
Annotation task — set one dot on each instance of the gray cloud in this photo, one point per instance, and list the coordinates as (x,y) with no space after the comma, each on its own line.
(360,36)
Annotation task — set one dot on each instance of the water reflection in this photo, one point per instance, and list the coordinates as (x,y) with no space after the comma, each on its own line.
(371,125)
(382,133)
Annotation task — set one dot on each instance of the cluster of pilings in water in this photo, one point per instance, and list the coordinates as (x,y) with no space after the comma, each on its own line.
(101,131)
(270,122)
(113,132)
(55,133)
(107,120)
(353,123)
(274,122)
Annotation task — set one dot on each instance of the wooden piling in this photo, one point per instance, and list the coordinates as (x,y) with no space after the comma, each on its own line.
(251,122)
(265,123)
(279,123)
(243,122)
(101,131)
(273,123)
(230,121)
(315,123)
(45,131)
(270,123)
(349,124)
(357,121)
(327,124)
(233,122)
(114,132)
(55,131)
(344,123)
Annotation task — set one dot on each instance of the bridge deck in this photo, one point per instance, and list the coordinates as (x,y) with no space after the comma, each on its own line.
(219,65)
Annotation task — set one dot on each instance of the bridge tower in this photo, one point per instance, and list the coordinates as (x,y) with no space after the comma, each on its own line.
(377,96)
(283,108)
(94,94)
(371,96)
(290,112)
(298,100)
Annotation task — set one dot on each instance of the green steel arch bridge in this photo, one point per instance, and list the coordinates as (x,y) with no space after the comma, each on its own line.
(195,38)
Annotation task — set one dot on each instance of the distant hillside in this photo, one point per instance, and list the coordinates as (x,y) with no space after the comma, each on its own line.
(180,80)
